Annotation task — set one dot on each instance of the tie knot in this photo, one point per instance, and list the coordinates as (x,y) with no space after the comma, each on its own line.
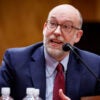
(60,67)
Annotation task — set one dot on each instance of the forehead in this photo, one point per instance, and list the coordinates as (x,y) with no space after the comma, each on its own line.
(63,13)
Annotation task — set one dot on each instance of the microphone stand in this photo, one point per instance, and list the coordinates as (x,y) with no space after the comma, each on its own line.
(67,47)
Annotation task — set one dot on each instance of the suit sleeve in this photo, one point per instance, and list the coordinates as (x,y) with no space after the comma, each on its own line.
(6,72)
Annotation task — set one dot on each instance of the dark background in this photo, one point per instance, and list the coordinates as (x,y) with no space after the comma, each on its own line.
(90,40)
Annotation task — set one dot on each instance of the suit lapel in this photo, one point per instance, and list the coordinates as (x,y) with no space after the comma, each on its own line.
(37,69)
(73,77)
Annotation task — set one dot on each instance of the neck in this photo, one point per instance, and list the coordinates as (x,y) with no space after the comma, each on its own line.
(59,58)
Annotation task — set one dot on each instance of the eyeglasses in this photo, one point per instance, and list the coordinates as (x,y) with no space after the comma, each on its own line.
(65,27)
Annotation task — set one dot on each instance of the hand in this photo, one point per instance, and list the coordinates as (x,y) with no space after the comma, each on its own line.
(63,96)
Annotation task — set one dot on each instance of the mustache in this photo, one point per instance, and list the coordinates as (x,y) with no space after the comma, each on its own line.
(57,39)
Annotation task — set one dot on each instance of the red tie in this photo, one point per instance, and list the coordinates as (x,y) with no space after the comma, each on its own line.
(59,82)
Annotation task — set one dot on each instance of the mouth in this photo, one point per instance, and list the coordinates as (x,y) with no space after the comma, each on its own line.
(56,43)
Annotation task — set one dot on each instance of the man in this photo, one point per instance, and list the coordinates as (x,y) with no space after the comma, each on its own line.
(35,66)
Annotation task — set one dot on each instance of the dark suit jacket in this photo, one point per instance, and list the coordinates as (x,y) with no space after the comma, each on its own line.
(25,67)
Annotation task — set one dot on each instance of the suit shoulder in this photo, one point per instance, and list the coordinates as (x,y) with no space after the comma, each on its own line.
(88,55)
(22,52)
(20,55)
(25,49)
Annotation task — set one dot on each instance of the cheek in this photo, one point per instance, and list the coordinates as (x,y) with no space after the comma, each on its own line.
(46,32)
(74,37)
(69,37)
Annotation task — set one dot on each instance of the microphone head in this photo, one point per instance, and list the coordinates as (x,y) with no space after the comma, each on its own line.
(66,47)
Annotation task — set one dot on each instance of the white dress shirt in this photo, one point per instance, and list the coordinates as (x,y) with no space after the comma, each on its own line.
(51,64)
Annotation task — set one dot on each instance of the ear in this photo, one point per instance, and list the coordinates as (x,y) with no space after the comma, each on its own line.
(45,24)
(78,36)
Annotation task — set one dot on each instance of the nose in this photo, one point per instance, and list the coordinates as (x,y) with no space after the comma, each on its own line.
(58,30)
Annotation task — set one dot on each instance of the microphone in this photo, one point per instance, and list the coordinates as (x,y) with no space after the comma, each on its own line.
(66,47)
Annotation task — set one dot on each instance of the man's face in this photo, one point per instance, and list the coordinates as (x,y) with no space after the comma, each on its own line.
(60,28)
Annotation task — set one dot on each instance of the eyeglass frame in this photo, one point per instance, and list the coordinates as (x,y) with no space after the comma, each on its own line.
(53,28)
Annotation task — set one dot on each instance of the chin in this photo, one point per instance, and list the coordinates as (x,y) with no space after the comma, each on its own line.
(54,52)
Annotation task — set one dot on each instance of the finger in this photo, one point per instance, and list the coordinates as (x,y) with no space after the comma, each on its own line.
(63,96)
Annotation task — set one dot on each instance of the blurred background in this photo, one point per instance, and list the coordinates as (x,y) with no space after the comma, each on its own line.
(21,22)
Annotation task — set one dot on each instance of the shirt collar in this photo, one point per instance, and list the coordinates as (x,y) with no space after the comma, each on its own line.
(51,63)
